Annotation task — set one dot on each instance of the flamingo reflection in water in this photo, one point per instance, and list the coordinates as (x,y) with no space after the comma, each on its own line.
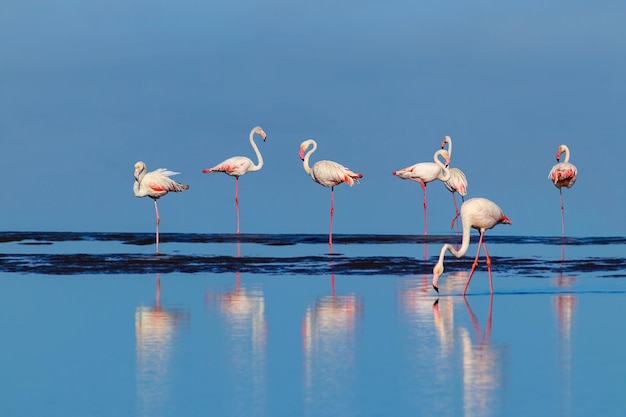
(482,368)
(565,306)
(155,332)
(328,333)
(243,312)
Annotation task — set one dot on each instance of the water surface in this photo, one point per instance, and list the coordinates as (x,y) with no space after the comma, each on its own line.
(276,325)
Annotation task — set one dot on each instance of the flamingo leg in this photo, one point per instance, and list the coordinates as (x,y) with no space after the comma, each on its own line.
(488,268)
(475,264)
(158,220)
(562,212)
(332,211)
(237,201)
(425,213)
(456,211)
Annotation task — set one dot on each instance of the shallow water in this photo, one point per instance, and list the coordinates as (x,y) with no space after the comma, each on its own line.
(97,324)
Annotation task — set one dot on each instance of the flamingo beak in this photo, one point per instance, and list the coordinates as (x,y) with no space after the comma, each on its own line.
(436,288)
(301,154)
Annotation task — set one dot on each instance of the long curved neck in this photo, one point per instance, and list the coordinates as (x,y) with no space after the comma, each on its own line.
(138,179)
(305,161)
(566,151)
(464,244)
(448,140)
(257,152)
(444,175)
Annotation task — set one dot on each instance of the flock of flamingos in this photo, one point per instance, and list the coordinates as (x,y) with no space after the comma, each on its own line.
(478,213)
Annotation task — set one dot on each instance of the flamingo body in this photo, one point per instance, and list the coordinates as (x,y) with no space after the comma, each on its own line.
(425,172)
(477,213)
(155,184)
(563,174)
(328,174)
(237,166)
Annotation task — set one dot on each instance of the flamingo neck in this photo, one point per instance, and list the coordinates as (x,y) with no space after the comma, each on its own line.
(448,140)
(257,152)
(464,244)
(138,178)
(305,161)
(444,175)
(566,151)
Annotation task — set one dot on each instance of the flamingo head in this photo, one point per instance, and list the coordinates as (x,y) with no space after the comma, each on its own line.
(505,220)
(259,131)
(140,167)
(559,152)
(437,271)
(446,139)
(303,147)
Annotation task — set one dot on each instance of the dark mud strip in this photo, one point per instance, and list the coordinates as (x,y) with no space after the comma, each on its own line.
(144,239)
(68,264)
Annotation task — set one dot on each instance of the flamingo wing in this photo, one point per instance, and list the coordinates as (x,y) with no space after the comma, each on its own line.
(235,166)
(563,174)
(330,173)
(457,182)
(420,172)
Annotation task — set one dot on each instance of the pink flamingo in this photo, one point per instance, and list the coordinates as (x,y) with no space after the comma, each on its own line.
(239,165)
(328,174)
(425,172)
(563,175)
(457,181)
(155,185)
(480,214)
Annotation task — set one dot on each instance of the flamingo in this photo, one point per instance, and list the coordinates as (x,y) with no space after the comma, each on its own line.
(425,172)
(563,175)
(155,185)
(457,182)
(328,174)
(480,214)
(239,165)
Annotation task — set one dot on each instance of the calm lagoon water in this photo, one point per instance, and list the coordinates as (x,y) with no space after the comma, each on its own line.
(273,325)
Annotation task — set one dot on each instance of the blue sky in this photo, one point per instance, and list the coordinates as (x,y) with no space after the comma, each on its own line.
(89,88)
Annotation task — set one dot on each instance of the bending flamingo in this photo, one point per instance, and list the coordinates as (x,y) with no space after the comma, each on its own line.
(456,183)
(425,172)
(155,185)
(328,174)
(563,175)
(239,165)
(480,214)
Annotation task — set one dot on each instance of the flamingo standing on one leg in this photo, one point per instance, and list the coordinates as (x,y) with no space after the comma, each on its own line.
(239,165)
(425,172)
(456,183)
(480,214)
(155,185)
(563,175)
(328,174)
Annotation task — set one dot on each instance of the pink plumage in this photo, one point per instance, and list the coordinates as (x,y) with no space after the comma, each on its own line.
(240,165)
(477,213)
(425,172)
(155,185)
(563,174)
(328,174)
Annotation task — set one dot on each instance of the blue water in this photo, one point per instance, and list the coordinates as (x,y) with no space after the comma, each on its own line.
(276,325)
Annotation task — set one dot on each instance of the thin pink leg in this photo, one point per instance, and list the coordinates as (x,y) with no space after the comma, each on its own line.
(158,220)
(456,212)
(475,264)
(488,268)
(562,213)
(237,201)
(332,211)
(425,213)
